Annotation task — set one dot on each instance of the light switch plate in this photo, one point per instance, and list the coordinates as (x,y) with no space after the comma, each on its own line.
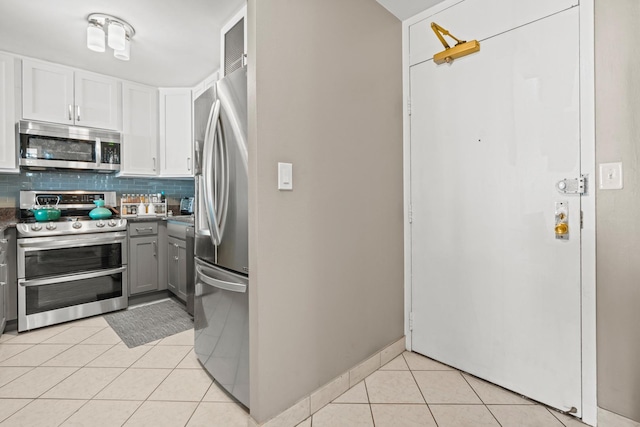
(285,176)
(611,176)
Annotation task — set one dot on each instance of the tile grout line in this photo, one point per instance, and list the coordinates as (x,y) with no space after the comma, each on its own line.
(421,393)
(15,412)
(108,347)
(201,399)
(92,398)
(31,369)
(554,416)
(366,390)
(84,366)
(481,400)
(146,399)
(20,352)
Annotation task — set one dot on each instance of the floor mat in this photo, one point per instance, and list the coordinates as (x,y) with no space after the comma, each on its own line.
(141,325)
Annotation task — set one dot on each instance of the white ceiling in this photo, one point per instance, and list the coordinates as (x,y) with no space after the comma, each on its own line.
(404,9)
(177,43)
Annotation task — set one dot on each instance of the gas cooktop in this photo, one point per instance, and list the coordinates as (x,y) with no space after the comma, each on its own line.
(74,209)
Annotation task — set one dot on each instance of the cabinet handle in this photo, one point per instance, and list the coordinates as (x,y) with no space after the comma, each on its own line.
(188,163)
(154,163)
(141,230)
(70,112)
(78,112)
(155,251)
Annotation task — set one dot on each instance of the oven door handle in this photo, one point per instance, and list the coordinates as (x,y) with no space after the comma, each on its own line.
(58,244)
(72,278)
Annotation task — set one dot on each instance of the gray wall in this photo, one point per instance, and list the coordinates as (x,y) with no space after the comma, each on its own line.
(326,260)
(618,226)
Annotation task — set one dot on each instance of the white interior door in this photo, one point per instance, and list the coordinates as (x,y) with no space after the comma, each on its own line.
(494,293)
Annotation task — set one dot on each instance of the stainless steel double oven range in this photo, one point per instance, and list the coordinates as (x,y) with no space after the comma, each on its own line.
(70,268)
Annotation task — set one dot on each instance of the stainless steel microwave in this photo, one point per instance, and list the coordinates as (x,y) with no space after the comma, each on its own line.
(51,146)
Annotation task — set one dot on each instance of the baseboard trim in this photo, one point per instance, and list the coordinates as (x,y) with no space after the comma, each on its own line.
(611,419)
(317,400)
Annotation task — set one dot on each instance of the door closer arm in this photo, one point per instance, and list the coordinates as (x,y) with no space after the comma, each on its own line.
(462,48)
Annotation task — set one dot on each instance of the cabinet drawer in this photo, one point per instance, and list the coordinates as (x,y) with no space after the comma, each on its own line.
(179,231)
(143,228)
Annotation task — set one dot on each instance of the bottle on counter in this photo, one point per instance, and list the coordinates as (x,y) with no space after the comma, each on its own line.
(141,208)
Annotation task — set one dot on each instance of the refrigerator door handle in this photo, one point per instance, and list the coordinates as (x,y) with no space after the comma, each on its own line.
(201,228)
(222,186)
(220,284)
(207,173)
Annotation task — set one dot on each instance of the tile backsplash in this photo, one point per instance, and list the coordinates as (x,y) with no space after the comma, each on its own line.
(11,184)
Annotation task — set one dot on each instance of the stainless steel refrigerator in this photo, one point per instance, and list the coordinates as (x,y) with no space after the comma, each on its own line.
(221,306)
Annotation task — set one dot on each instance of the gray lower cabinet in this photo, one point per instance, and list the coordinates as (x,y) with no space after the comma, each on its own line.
(3,282)
(143,257)
(177,267)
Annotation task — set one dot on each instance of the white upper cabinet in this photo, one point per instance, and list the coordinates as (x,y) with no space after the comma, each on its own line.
(54,93)
(8,81)
(139,130)
(97,101)
(47,92)
(176,141)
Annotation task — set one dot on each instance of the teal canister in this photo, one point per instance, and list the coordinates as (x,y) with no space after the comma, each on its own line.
(99,212)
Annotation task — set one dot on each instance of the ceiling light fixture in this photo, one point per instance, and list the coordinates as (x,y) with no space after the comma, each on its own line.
(118,35)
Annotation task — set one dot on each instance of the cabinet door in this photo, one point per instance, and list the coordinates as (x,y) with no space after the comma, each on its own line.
(172,271)
(143,264)
(177,266)
(47,92)
(3,315)
(3,283)
(182,270)
(233,43)
(176,143)
(7,114)
(139,130)
(96,101)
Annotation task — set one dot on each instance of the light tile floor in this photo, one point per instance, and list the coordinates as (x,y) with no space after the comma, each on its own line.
(413,390)
(81,374)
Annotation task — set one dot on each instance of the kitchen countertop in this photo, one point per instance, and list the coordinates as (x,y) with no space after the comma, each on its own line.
(182,219)
(8,218)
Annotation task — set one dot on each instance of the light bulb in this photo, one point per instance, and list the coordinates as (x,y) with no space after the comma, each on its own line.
(116,36)
(123,54)
(95,38)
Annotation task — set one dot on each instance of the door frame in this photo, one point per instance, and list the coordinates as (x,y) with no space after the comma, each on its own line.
(588,202)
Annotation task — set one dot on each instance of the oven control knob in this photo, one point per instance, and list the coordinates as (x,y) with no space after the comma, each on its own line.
(51,226)
(36,227)
(112,223)
(76,224)
(100,224)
